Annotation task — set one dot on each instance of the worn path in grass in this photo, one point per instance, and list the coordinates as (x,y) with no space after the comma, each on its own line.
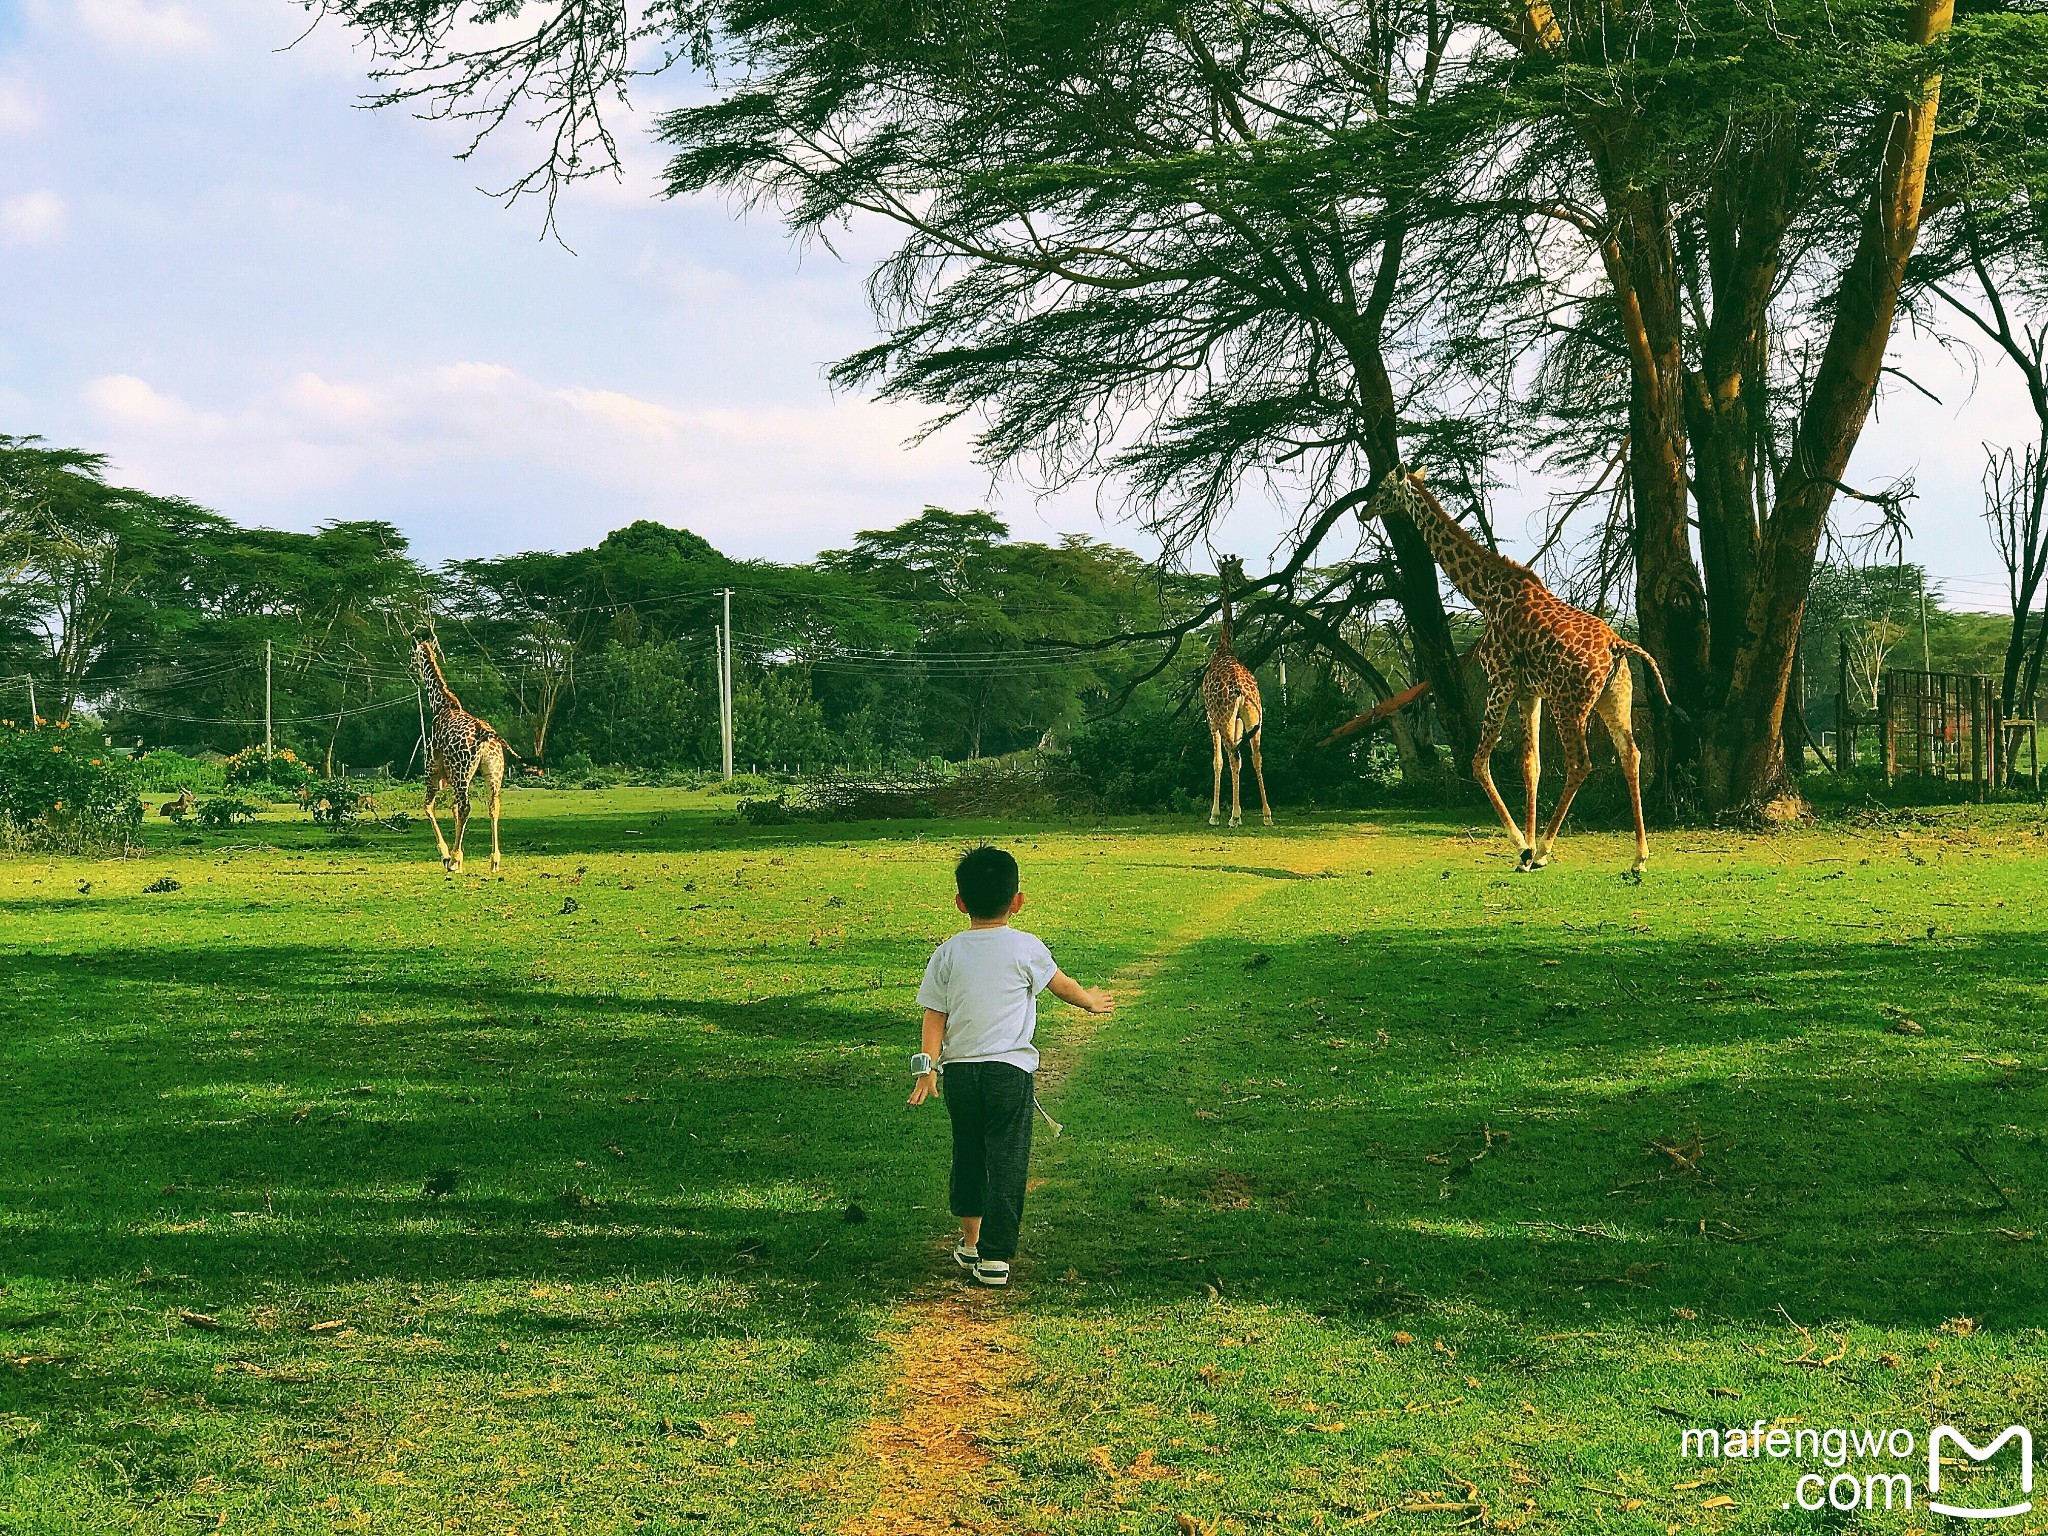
(955,1359)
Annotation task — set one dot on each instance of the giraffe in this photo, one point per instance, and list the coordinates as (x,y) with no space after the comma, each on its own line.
(458,745)
(1536,647)
(1230,694)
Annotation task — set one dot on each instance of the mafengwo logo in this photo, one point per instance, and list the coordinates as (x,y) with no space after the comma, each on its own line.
(1845,1470)
(1975,1455)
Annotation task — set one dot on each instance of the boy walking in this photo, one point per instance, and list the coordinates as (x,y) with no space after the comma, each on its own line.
(980,1001)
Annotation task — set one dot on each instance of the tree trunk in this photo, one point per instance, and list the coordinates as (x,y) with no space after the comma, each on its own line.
(2022,649)
(1413,769)
(1745,756)
(1422,602)
(1671,601)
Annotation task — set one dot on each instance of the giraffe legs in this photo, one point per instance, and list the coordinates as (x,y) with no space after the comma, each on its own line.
(1259,771)
(461,820)
(1532,754)
(436,782)
(1578,763)
(1499,696)
(1617,707)
(1235,732)
(1216,794)
(494,770)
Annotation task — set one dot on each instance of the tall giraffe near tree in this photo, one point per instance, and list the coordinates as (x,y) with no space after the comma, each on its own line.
(1230,695)
(459,745)
(1536,647)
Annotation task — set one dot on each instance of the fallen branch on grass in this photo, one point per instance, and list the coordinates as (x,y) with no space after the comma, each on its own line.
(1377,713)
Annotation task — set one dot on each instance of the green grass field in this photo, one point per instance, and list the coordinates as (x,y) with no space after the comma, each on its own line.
(1405,1193)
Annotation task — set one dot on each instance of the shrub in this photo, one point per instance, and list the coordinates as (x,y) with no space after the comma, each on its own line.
(871,797)
(224,811)
(774,812)
(252,766)
(164,771)
(1149,758)
(62,792)
(1022,784)
(338,802)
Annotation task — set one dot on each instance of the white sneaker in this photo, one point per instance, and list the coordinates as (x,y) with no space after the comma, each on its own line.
(965,1256)
(991,1272)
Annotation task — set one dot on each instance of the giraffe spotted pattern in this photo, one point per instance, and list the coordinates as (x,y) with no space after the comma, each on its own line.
(459,746)
(1230,695)
(1536,647)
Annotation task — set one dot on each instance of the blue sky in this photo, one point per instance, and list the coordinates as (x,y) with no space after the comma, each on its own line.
(219,269)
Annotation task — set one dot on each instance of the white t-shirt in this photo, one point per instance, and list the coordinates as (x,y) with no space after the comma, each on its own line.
(986,982)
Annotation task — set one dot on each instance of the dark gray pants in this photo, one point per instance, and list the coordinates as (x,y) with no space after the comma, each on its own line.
(989,1103)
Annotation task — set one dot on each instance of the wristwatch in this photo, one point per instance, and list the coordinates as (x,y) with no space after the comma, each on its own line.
(920,1064)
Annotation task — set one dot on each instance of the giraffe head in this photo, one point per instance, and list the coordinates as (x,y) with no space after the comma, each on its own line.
(1394,493)
(1229,575)
(426,658)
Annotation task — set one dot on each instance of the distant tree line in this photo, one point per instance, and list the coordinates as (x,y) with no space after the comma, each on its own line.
(147,617)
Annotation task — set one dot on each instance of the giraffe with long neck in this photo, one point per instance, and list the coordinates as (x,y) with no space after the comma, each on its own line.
(1536,647)
(1230,696)
(458,746)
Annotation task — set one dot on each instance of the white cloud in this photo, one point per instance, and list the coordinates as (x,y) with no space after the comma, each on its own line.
(33,218)
(123,400)
(752,479)
(20,108)
(140,26)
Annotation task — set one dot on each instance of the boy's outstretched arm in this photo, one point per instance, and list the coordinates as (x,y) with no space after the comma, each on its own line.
(1068,990)
(934,1037)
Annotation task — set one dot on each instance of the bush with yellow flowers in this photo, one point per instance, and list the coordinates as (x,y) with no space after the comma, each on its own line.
(63,791)
(252,767)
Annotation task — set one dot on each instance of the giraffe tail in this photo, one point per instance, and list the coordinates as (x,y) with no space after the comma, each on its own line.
(1648,660)
(510,750)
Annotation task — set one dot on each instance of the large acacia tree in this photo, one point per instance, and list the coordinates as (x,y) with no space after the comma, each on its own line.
(1161,244)
(1750,184)
(1220,247)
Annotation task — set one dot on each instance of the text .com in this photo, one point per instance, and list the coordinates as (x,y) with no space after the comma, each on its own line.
(1843,1487)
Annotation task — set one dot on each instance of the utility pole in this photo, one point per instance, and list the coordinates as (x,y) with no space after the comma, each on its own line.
(1926,655)
(1845,731)
(719,640)
(266,699)
(725,684)
(33,718)
(419,696)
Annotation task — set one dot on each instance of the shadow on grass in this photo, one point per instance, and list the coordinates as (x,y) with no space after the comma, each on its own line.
(260,1120)
(1728,1128)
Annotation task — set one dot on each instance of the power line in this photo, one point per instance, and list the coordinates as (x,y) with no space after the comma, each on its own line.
(328,718)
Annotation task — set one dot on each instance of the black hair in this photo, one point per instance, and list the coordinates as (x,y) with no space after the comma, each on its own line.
(987,881)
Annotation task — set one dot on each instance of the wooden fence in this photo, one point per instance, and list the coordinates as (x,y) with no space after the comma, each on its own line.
(1954,726)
